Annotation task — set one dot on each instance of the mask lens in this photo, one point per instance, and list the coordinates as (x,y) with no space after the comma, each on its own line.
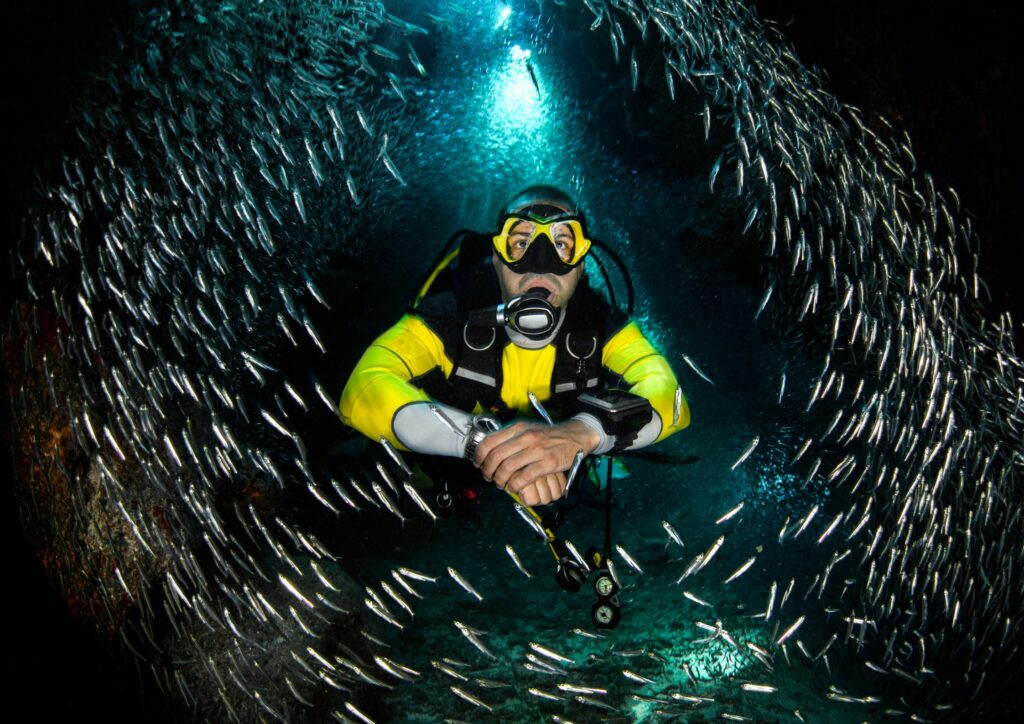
(564,239)
(520,236)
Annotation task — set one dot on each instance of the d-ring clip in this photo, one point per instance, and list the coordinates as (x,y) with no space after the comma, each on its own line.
(494,336)
(568,347)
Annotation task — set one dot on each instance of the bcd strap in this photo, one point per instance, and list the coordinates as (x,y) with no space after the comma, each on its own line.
(468,282)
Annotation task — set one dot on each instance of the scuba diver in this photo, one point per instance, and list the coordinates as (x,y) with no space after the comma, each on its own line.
(507,328)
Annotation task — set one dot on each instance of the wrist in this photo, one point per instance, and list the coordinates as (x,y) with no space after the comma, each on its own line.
(588,438)
(481,426)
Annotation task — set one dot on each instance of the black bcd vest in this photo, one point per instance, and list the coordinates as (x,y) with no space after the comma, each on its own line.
(469,282)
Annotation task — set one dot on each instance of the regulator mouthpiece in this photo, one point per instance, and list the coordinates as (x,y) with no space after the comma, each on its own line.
(530,314)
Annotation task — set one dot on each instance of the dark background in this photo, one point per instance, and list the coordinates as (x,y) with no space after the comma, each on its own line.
(947,78)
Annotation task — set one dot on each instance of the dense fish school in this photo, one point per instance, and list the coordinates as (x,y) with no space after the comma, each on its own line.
(169,432)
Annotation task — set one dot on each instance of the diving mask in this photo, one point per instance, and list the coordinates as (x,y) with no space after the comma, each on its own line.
(567,243)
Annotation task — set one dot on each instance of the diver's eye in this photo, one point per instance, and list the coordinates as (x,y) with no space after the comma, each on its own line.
(517,244)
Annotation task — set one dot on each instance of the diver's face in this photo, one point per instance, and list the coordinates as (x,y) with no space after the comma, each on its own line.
(560,288)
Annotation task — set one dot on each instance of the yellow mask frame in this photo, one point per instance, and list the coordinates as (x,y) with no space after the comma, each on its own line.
(547,227)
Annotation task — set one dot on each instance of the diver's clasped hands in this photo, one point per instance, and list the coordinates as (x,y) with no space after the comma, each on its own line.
(531,459)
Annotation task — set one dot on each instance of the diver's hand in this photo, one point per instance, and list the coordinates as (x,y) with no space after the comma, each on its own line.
(543,490)
(516,456)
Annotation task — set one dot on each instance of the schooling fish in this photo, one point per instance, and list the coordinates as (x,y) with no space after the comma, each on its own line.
(629,559)
(741,570)
(470,633)
(710,553)
(372,605)
(515,559)
(418,499)
(388,502)
(672,534)
(637,678)
(445,669)
(698,370)
(464,583)
(470,698)
(677,404)
(746,453)
(416,575)
(397,598)
(695,599)
(404,584)
(550,653)
(587,634)
(730,514)
(790,631)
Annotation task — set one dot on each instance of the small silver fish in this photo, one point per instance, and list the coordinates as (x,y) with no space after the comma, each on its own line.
(633,676)
(764,301)
(771,601)
(416,575)
(741,570)
(418,499)
(596,703)
(445,669)
(388,502)
(692,568)
(473,637)
(747,452)
(672,533)
(629,559)
(544,665)
(613,570)
(372,605)
(439,414)
(322,394)
(397,598)
(387,478)
(677,404)
(470,698)
(579,689)
(291,587)
(698,370)
(730,514)
(710,553)
(354,710)
(831,527)
(714,173)
(404,584)
(550,653)
(457,577)
(399,672)
(806,521)
(790,631)
(523,513)
(393,454)
(515,559)
(577,461)
(539,408)
(695,599)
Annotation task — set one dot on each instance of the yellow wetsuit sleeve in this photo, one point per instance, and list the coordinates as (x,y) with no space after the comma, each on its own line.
(629,354)
(379,385)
